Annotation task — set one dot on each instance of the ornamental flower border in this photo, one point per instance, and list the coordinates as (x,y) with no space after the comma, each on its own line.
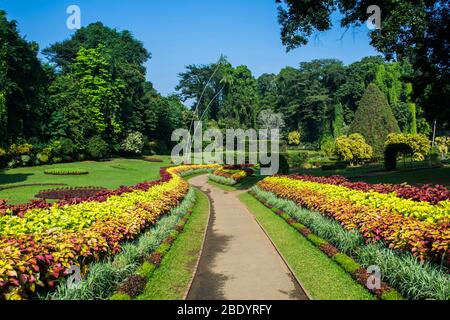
(420,228)
(38,246)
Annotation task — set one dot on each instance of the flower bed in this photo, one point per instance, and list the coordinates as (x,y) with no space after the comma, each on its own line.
(231,174)
(417,227)
(415,279)
(360,274)
(427,193)
(37,247)
(69,193)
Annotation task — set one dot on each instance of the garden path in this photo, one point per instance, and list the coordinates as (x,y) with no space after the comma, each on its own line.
(239,261)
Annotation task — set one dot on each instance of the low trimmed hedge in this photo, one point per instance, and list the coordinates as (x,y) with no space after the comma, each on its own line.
(222,180)
(66,172)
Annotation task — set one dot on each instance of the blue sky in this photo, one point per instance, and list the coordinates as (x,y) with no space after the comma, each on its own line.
(182,32)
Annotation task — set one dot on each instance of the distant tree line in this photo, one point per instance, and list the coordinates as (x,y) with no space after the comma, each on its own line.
(90,97)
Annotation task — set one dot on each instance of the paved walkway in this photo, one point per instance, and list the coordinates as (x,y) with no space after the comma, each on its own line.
(238,262)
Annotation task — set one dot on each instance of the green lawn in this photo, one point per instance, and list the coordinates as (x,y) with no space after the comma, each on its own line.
(110,175)
(170,281)
(432,176)
(321,277)
(376,174)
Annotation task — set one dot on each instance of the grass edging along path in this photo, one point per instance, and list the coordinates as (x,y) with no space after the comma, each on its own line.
(172,280)
(170,272)
(321,277)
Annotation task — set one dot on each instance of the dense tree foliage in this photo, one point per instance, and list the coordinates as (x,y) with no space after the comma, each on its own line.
(221,93)
(22,86)
(91,95)
(374,119)
(90,98)
(413,30)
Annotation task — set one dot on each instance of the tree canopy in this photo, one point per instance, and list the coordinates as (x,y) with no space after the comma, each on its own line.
(412,30)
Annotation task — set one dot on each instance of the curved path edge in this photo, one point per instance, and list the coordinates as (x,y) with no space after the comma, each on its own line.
(239,261)
(194,272)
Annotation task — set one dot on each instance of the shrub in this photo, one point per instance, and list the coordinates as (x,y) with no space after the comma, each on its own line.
(133,143)
(70,193)
(374,119)
(65,171)
(21,149)
(418,143)
(435,156)
(284,165)
(120,296)
(392,152)
(294,138)
(67,147)
(442,143)
(133,286)
(25,160)
(327,146)
(97,148)
(222,180)
(42,158)
(353,149)
(298,159)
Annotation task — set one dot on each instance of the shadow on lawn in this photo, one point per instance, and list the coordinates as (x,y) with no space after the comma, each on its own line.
(249,182)
(13,178)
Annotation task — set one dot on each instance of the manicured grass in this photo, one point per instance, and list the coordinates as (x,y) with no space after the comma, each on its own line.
(376,174)
(112,174)
(170,281)
(321,277)
(432,176)
(221,186)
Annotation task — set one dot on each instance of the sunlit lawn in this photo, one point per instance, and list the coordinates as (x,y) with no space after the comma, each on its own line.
(112,174)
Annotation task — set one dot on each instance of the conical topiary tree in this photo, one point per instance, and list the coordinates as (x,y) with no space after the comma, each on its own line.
(374,119)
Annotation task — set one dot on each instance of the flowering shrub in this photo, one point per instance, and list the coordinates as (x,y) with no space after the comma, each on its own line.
(133,143)
(353,148)
(39,245)
(294,138)
(236,175)
(418,227)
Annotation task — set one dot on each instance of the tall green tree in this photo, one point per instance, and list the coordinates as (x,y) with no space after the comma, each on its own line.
(23,84)
(127,57)
(206,86)
(267,91)
(240,101)
(413,30)
(374,119)
(307,96)
(87,100)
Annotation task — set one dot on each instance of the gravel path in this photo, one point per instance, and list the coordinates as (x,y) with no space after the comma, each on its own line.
(239,262)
